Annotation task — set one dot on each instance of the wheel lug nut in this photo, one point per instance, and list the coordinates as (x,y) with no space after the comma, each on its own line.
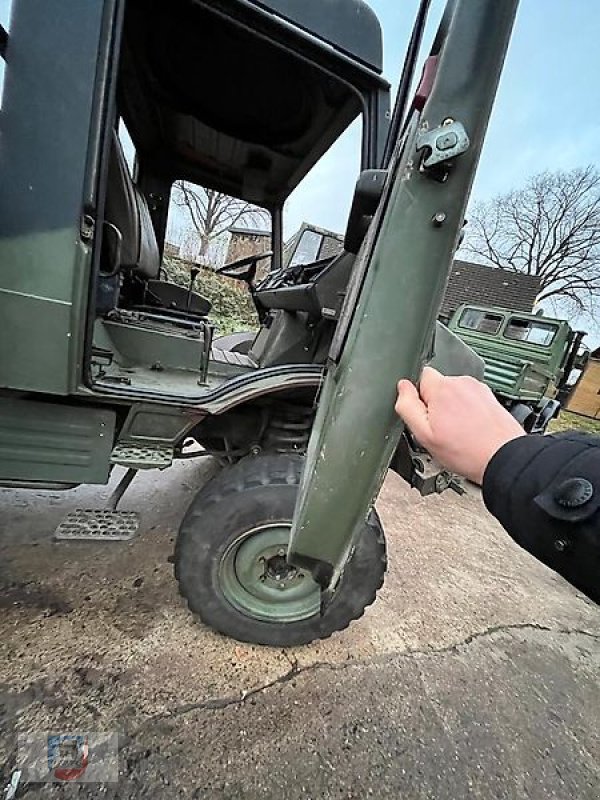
(281,552)
(282,585)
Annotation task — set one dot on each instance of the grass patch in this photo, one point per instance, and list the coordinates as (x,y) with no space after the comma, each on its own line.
(232,306)
(568,421)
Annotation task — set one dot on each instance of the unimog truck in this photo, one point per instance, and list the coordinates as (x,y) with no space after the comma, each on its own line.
(105,364)
(532,362)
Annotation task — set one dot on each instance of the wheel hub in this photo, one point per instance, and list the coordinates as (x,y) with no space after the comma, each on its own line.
(277,569)
(258,581)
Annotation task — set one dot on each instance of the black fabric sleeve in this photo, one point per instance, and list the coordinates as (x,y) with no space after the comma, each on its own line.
(545,491)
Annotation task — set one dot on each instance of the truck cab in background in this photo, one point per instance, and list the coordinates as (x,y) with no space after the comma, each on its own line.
(532,362)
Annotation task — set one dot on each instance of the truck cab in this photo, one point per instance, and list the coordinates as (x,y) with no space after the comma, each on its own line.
(532,362)
(241,98)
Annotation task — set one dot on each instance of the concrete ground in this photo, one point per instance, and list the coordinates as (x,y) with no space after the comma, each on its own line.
(475,674)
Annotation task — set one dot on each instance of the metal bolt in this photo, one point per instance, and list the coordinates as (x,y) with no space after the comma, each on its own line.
(442,482)
(281,552)
(438,219)
(282,585)
(447,121)
(561,545)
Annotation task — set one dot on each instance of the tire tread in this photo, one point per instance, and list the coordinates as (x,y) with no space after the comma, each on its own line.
(248,474)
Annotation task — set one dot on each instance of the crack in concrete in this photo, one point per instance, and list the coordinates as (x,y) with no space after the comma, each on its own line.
(218,703)
(486,632)
(291,659)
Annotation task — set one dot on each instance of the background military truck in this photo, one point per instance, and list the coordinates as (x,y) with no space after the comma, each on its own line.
(532,362)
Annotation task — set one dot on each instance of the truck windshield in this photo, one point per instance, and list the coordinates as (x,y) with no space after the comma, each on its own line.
(532,331)
(474,319)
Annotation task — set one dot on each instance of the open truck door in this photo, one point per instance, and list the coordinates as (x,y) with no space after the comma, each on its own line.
(387,325)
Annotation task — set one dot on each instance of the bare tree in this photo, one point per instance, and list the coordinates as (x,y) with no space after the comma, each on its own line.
(211,213)
(550,228)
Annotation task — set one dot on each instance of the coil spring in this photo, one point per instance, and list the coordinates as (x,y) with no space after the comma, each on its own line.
(289,429)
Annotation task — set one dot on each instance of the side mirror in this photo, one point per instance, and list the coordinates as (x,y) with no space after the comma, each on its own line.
(367,194)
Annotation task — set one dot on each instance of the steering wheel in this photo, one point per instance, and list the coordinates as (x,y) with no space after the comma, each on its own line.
(243,269)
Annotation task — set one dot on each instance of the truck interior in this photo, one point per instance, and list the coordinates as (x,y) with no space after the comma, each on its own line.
(251,124)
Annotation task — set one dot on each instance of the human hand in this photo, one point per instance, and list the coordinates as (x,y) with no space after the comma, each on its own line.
(457,420)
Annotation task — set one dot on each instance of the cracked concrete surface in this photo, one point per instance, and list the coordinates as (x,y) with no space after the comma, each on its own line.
(475,674)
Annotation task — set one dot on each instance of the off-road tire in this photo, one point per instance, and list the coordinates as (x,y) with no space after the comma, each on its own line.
(261,490)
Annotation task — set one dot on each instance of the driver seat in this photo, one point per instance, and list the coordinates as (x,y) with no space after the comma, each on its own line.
(131,244)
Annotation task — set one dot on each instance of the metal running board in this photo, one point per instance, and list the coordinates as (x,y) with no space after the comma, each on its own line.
(100,525)
(142,456)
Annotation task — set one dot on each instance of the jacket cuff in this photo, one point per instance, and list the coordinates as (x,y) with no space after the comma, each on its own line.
(505,467)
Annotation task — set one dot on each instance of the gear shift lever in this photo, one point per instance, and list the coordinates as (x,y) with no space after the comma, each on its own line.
(193,275)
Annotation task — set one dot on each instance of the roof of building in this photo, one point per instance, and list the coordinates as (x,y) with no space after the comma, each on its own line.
(488,286)
(331,246)
(242,230)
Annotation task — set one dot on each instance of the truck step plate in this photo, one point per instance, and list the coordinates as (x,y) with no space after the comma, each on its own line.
(140,456)
(98,525)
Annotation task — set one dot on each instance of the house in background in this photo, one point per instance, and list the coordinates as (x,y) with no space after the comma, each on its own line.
(488,286)
(246,242)
(586,397)
(172,250)
(467,282)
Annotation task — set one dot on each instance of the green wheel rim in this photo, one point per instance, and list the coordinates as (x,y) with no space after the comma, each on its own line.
(256,580)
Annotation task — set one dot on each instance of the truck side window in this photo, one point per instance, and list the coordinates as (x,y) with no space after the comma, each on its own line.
(532,331)
(482,321)
(212,228)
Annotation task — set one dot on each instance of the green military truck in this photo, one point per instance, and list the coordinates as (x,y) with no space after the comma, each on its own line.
(105,363)
(532,362)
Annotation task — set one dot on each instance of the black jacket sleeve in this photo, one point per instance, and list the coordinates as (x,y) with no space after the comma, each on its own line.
(545,490)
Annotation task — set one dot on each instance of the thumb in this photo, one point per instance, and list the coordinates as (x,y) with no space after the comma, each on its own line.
(413,410)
